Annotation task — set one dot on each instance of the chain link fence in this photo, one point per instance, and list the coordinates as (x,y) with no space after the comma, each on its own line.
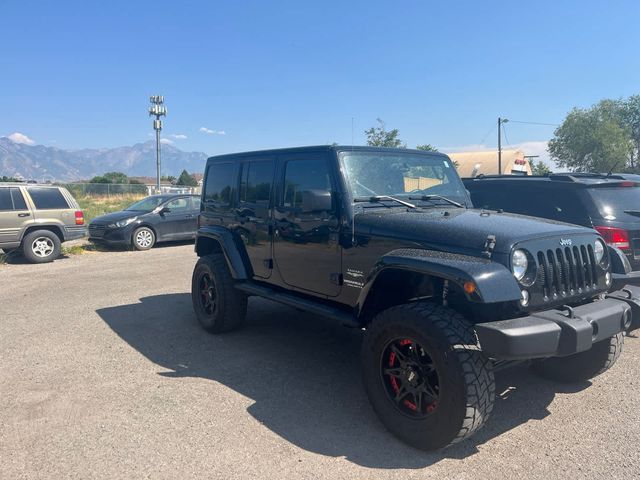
(124,189)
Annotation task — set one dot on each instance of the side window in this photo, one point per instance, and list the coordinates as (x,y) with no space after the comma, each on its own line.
(5,199)
(302,176)
(194,203)
(255,182)
(47,198)
(219,184)
(178,204)
(18,199)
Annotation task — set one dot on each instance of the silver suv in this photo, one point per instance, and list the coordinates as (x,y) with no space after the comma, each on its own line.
(37,219)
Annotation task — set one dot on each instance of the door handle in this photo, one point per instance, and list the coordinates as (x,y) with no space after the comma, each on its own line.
(24,214)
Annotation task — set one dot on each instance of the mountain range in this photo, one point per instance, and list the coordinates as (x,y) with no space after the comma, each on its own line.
(42,163)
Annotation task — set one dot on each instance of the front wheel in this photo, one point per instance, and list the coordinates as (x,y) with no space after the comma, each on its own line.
(584,365)
(425,376)
(143,238)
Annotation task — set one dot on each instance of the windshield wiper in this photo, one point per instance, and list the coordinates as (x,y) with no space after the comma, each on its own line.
(437,197)
(378,198)
(633,212)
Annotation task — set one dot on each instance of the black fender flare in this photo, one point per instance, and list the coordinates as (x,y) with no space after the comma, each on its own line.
(493,281)
(232,248)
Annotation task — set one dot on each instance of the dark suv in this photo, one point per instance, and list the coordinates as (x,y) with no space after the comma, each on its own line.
(608,203)
(384,240)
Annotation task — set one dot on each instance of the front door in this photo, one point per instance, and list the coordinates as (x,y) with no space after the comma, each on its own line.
(305,242)
(175,218)
(14,215)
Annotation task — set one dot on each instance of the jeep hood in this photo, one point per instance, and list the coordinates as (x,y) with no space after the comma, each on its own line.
(463,229)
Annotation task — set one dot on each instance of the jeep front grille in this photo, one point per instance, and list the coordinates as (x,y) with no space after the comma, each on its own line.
(567,271)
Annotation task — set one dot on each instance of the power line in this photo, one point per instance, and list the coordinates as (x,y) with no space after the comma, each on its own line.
(535,123)
(487,134)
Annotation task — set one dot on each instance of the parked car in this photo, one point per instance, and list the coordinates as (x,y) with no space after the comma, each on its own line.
(37,219)
(384,240)
(608,203)
(158,218)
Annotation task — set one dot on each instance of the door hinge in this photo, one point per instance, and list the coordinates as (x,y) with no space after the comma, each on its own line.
(336,278)
(268,263)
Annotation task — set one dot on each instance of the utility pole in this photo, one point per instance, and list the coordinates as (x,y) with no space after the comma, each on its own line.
(501,121)
(158,110)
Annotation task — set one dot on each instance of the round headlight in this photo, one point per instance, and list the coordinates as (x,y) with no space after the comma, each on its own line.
(598,250)
(519,264)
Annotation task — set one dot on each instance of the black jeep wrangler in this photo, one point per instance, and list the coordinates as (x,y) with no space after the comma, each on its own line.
(384,240)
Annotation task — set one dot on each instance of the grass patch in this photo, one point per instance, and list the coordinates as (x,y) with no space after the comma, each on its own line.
(73,250)
(94,206)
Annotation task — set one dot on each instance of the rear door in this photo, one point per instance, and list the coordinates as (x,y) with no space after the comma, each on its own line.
(14,215)
(254,212)
(51,206)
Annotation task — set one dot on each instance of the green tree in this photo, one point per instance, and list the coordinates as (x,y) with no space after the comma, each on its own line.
(186,179)
(427,147)
(539,168)
(381,137)
(602,138)
(110,177)
(5,179)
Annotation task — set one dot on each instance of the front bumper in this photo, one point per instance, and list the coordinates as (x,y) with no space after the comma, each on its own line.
(556,332)
(110,236)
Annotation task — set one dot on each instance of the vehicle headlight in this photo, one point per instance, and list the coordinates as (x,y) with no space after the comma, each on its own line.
(122,223)
(519,264)
(598,250)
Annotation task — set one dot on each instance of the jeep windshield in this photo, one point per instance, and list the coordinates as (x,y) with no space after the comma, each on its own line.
(407,176)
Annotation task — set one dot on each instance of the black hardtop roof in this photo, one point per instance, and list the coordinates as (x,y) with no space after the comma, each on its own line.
(321,148)
(573,179)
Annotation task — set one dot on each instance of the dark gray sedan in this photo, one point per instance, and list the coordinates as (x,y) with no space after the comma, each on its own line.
(158,218)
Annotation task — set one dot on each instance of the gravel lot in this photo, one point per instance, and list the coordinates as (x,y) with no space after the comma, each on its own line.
(105,374)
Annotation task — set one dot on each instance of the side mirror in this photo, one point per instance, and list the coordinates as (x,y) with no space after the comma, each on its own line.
(316,201)
(164,210)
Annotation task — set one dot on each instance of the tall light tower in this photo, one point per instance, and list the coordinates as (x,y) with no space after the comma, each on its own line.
(501,121)
(157,109)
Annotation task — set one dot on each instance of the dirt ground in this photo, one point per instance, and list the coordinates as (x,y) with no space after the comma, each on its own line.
(106,374)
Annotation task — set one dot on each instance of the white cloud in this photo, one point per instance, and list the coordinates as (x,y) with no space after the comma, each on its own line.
(179,136)
(166,141)
(208,131)
(18,137)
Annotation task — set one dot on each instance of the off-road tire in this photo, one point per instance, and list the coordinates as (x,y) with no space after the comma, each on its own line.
(230,307)
(584,365)
(467,386)
(149,236)
(30,251)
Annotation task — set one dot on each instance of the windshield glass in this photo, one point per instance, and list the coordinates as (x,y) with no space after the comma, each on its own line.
(400,174)
(147,204)
(612,202)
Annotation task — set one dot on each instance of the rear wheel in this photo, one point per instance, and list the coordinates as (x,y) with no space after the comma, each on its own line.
(41,246)
(424,375)
(143,238)
(584,365)
(219,306)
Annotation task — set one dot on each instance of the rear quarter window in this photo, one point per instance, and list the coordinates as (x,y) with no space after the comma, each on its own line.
(47,198)
(220,180)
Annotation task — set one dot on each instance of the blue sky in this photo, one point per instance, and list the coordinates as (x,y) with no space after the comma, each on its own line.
(271,74)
